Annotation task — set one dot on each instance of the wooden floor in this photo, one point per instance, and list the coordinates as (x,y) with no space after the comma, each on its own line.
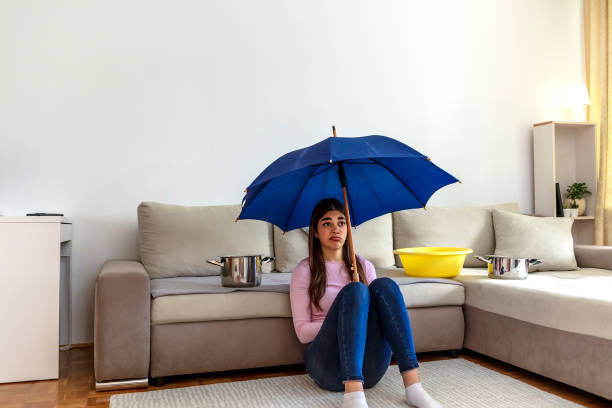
(75,388)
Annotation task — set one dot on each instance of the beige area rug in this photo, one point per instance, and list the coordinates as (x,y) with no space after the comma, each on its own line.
(454,383)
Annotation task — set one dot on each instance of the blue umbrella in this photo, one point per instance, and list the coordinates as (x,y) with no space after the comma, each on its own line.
(374,175)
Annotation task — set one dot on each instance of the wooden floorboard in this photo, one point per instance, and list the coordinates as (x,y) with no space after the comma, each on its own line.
(75,387)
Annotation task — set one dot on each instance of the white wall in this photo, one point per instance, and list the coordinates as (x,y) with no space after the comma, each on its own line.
(107,104)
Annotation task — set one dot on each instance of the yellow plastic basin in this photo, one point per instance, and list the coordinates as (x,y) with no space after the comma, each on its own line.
(433,262)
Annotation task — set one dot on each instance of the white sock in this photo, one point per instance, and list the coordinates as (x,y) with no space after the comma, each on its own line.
(354,400)
(418,397)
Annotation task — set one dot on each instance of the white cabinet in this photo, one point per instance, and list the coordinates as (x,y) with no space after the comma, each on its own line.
(30,257)
(565,153)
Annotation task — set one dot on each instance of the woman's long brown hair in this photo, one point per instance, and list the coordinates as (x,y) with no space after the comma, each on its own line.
(318,276)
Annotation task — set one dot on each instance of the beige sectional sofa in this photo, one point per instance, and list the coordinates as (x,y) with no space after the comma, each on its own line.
(137,336)
(554,323)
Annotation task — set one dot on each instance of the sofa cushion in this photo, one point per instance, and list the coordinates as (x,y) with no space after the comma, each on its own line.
(203,307)
(373,240)
(470,227)
(176,240)
(546,238)
(574,301)
(289,248)
(251,305)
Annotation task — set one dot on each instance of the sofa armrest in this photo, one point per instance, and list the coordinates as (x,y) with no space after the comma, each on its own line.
(593,256)
(122,321)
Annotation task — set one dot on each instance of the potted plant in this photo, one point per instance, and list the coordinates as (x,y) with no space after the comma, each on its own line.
(574,209)
(566,210)
(575,194)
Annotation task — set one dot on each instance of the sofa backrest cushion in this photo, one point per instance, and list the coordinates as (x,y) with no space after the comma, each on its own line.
(546,238)
(373,240)
(469,227)
(176,240)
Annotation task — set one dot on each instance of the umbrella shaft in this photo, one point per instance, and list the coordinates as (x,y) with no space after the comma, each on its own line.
(350,237)
(342,176)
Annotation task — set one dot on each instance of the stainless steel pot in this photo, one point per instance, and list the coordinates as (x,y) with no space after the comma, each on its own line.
(505,267)
(241,271)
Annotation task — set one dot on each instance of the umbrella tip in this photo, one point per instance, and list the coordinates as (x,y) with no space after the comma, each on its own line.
(334,130)
(236,220)
(284,231)
(425,208)
(428,158)
(245,190)
(459,181)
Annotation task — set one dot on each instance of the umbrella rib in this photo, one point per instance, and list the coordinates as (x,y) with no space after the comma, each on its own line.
(356,162)
(319,172)
(252,198)
(298,197)
(400,180)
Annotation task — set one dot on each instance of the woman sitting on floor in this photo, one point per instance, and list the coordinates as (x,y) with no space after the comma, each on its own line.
(352,327)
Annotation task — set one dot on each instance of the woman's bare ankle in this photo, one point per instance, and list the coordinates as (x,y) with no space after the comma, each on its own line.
(353,386)
(411,377)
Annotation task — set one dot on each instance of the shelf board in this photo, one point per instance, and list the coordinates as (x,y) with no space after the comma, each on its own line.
(566,124)
(575,124)
(35,218)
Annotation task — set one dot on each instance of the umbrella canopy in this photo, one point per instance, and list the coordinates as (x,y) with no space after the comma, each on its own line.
(381,175)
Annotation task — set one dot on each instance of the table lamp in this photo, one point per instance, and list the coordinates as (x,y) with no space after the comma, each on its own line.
(578,99)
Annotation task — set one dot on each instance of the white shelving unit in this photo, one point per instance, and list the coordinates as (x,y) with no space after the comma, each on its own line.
(30,279)
(565,153)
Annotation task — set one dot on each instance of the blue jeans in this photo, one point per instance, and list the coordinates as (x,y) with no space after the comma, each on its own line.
(363,325)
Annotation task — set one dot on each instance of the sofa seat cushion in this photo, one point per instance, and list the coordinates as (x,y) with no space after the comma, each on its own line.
(201,307)
(574,301)
(204,307)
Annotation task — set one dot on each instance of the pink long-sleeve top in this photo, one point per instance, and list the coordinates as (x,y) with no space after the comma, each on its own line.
(307,319)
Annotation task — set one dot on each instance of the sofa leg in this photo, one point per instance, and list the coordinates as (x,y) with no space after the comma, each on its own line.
(158,382)
(454,353)
(122,384)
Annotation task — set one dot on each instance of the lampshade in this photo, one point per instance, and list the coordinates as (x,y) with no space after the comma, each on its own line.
(577,95)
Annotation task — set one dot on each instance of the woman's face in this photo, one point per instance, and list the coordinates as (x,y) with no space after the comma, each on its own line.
(331,230)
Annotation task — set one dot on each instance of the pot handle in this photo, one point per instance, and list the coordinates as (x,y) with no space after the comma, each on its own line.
(534,261)
(267,259)
(480,258)
(212,261)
